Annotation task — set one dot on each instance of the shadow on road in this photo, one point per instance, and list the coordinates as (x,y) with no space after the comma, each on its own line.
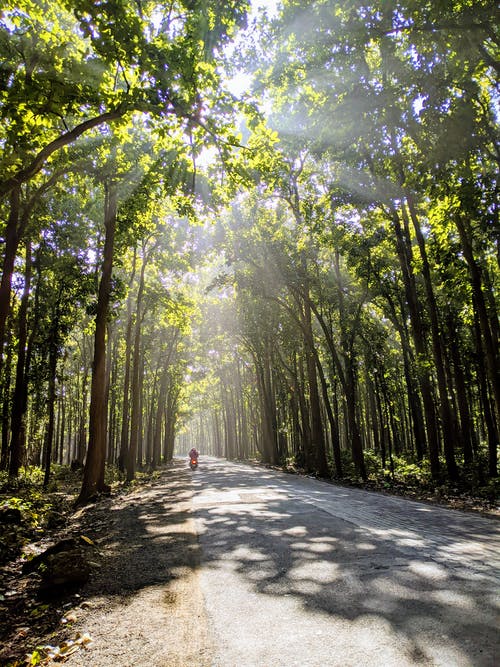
(392,572)
(412,578)
(148,537)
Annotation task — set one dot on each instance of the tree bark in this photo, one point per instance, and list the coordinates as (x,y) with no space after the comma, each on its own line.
(95,462)
(140,422)
(331,418)
(51,399)
(317,430)
(414,401)
(160,408)
(136,402)
(160,412)
(124,437)
(5,378)
(11,244)
(20,397)
(347,346)
(461,392)
(171,418)
(420,348)
(488,410)
(489,343)
(267,410)
(447,418)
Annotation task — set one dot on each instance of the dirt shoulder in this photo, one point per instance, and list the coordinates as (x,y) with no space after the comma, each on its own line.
(142,604)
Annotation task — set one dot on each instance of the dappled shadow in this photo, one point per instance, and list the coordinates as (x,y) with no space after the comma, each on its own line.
(147,537)
(146,544)
(372,569)
(351,555)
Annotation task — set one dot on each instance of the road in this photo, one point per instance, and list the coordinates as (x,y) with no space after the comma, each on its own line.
(296,571)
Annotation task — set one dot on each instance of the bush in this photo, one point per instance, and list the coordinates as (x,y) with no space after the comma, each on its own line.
(27,513)
(373,464)
(348,470)
(37,509)
(410,474)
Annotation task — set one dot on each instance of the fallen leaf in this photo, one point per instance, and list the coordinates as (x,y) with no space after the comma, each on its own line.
(84,638)
(34,658)
(21,632)
(68,650)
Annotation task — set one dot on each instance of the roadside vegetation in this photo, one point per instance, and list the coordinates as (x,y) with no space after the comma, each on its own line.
(35,523)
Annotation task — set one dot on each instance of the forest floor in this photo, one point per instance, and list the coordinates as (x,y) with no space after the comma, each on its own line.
(142,586)
(144,556)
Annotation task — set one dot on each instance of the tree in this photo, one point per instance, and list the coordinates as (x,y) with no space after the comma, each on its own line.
(395,85)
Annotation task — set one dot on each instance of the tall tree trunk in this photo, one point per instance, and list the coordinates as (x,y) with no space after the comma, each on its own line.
(124,438)
(81,416)
(447,418)
(160,412)
(62,430)
(297,436)
(150,429)
(305,454)
(229,425)
(107,384)
(136,402)
(354,432)
(5,378)
(94,464)
(489,343)
(11,244)
(418,336)
(217,435)
(461,392)
(268,400)
(414,401)
(171,418)
(113,444)
(57,433)
(160,408)
(493,435)
(349,390)
(382,438)
(351,399)
(334,429)
(317,430)
(20,398)
(51,399)
(140,422)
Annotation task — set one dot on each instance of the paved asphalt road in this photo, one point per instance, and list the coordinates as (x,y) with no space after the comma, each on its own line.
(300,572)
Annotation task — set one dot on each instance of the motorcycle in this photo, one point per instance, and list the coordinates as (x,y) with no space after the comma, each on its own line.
(193,463)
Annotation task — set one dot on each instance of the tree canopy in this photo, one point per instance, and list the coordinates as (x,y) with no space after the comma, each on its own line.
(306,272)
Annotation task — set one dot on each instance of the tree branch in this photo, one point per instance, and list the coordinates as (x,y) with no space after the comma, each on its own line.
(36,165)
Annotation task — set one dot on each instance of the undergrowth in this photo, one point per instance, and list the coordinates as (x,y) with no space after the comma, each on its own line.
(28,511)
(405,476)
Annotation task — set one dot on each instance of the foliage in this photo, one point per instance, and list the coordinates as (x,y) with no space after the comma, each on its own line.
(37,511)
(345,300)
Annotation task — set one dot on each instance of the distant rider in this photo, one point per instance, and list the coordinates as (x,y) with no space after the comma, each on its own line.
(193,453)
